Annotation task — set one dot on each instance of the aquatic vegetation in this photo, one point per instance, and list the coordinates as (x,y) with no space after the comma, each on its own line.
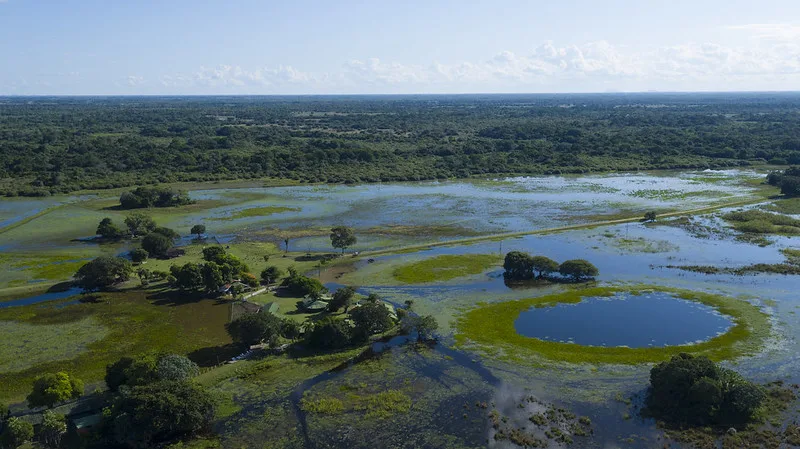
(789,206)
(129,322)
(257,212)
(490,327)
(27,345)
(760,222)
(445,268)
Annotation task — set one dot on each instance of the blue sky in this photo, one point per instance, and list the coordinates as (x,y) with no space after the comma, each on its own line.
(347,46)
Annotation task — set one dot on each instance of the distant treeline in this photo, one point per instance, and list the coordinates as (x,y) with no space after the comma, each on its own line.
(52,145)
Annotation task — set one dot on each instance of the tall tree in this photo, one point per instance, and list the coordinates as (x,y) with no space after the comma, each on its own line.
(103,272)
(139,223)
(342,237)
(52,388)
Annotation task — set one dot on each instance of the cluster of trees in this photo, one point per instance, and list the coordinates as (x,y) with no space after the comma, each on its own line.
(60,145)
(157,240)
(48,390)
(154,400)
(103,272)
(519,265)
(788,180)
(253,328)
(696,391)
(297,284)
(146,197)
(220,268)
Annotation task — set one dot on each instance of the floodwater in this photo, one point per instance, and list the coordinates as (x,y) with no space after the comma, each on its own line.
(445,387)
(654,319)
(44,297)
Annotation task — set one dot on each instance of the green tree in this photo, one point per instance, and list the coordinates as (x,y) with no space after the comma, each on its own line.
(299,285)
(103,272)
(52,429)
(52,388)
(108,230)
(138,255)
(343,297)
(329,333)
(131,371)
(290,329)
(544,265)
(157,245)
(139,223)
(271,274)
(160,412)
(16,433)
(253,328)
(213,253)
(174,367)
(650,216)
(212,276)
(198,230)
(578,269)
(166,232)
(188,277)
(342,237)
(425,326)
(370,318)
(518,265)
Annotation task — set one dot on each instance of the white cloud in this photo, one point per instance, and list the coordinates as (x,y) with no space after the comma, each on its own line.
(134,80)
(591,66)
(770,31)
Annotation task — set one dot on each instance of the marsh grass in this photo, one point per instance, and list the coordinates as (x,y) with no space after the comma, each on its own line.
(445,268)
(790,206)
(127,322)
(491,328)
(755,221)
(257,212)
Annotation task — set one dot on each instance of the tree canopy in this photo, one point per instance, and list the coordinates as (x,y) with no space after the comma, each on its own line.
(157,244)
(518,265)
(253,328)
(52,388)
(103,272)
(694,390)
(342,237)
(578,269)
(544,265)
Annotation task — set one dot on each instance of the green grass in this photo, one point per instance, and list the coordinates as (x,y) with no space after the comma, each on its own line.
(760,222)
(445,268)
(789,206)
(121,323)
(258,212)
(27,345)
(491,327)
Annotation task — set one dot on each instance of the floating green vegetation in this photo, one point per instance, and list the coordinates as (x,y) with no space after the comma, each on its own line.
(491,328)
(792,255)
(771,268)
(381,405)
(666,194)
(640,244)
(444,268)
(760,222)
(789,206)
(258,212)
(27,345)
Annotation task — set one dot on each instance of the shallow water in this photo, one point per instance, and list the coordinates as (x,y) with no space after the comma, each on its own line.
(654,319)
(44,297)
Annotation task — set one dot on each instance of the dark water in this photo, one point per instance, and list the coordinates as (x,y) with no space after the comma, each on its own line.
(652,319)
(41,298)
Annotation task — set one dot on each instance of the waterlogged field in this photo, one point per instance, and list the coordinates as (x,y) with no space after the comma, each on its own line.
(514,361)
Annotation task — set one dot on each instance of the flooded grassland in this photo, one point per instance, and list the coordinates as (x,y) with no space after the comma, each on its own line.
(538,363)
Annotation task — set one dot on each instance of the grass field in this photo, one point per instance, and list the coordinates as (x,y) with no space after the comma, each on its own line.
(83,338)
(445,268)
(491,328)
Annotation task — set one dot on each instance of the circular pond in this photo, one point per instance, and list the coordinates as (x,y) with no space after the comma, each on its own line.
(653,319)
(637,324)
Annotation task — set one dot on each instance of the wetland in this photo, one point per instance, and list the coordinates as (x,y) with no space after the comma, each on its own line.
(517,365)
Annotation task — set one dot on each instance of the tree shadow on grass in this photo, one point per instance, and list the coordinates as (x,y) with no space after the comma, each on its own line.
(214,355)
(176,298)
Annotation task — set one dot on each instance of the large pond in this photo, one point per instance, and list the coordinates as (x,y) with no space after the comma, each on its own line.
(654,319)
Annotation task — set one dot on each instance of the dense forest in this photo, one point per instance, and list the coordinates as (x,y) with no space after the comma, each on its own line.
(61,144)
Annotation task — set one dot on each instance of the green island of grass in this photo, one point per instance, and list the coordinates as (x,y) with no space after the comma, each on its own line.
(258,212)
(491,328)
(444,268)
